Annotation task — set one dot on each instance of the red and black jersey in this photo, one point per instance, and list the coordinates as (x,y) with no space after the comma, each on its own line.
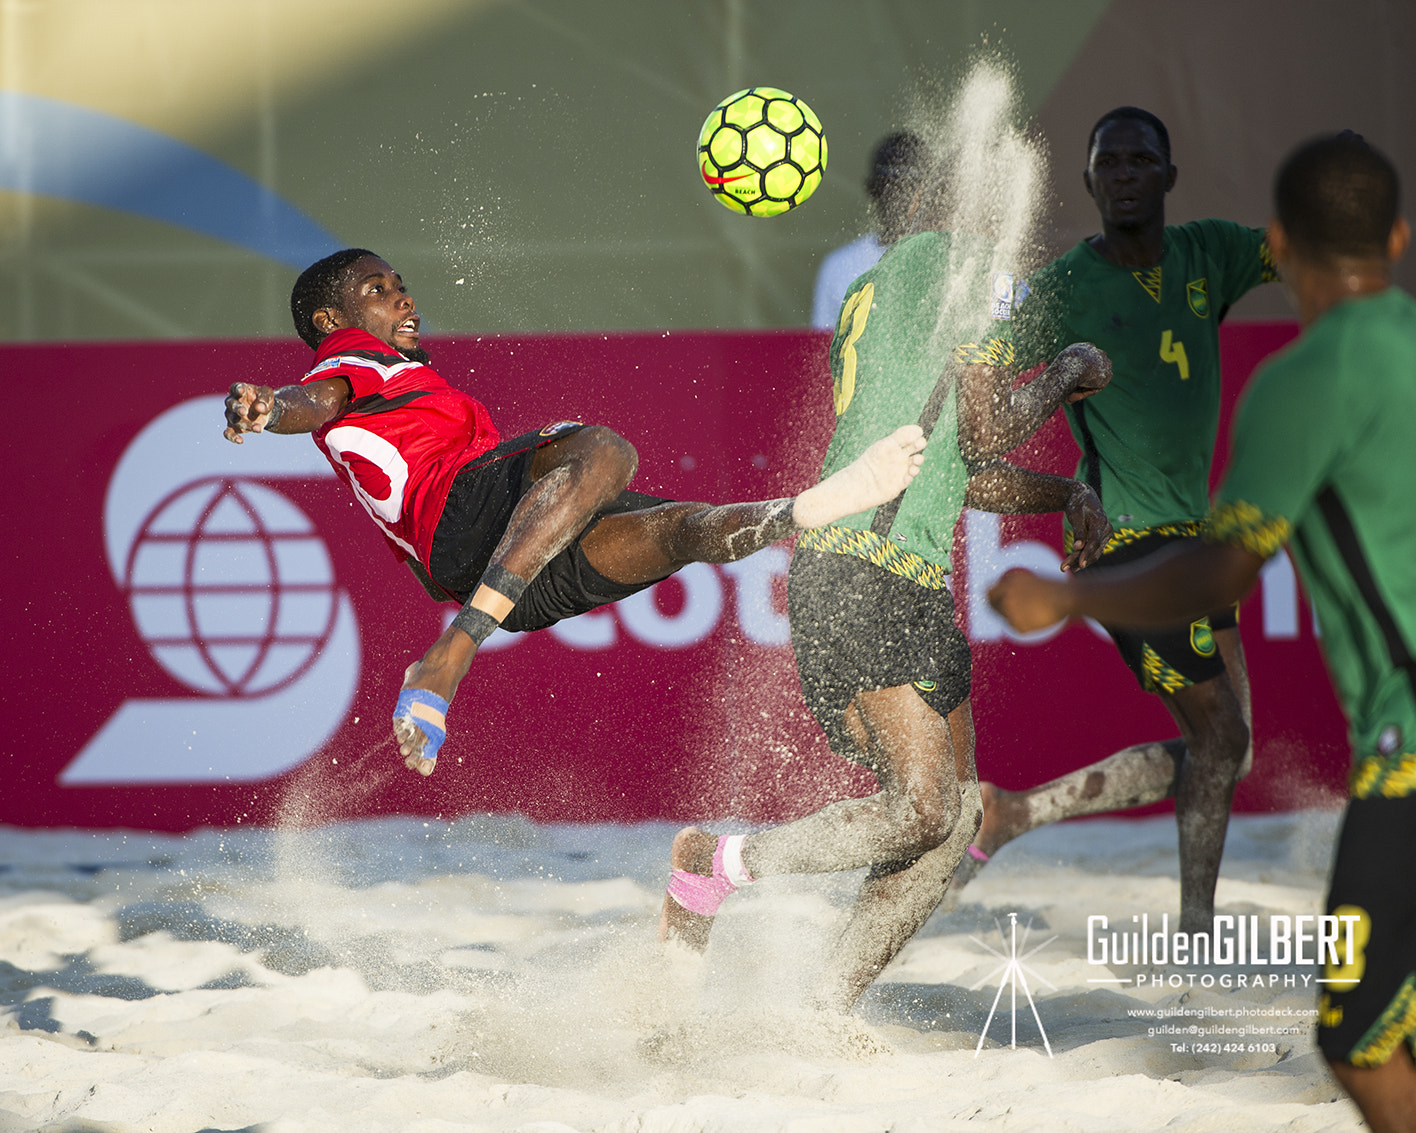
(401,439)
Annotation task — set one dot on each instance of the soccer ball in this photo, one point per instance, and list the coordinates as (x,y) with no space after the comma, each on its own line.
(762,151)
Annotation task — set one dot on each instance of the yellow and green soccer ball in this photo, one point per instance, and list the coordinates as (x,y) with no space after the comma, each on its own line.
(762,151)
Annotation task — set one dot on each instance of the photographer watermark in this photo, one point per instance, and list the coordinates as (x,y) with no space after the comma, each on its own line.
(1329,945)
(1015,974)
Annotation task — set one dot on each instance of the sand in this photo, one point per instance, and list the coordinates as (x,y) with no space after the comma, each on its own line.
(491,974)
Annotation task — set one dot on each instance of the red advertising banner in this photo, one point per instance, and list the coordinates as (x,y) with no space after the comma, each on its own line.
(207,634)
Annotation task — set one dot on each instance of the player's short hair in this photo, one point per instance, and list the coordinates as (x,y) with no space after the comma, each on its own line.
(1337,195)
(1131,114)
(898,166)
(900,158)
(319,286)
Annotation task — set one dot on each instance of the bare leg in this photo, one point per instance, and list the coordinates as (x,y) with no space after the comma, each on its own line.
(579,475)
(1231,648)
(1216,740)
(1213,719)
(574,478)
(897,898)
(1134,776)
(644,546)
(916,811)
(1385,1094)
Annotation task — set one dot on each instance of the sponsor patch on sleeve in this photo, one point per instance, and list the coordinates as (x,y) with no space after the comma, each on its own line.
(1001,302)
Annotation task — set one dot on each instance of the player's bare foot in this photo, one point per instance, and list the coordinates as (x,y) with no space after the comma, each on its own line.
(691,852)
(876,476)
(1005,816)
(419,720)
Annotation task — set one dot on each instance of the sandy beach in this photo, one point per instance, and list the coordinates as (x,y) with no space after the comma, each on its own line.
(491,974)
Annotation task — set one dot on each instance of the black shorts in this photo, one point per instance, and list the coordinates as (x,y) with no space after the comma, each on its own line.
(856,627)
(478,509)
(1374,876)
(1167,660)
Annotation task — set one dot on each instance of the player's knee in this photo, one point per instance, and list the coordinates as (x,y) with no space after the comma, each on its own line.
(1226,746)
(1246,764)
(1237,747)
(608,454)
(926,823)
(972,816)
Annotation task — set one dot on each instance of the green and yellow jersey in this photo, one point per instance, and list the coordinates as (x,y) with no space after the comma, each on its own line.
(1324,461)
(932,303)
(1148,439)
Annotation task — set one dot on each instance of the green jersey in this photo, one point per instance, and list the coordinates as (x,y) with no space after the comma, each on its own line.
(932,303)
(1323,460)
(1148,439)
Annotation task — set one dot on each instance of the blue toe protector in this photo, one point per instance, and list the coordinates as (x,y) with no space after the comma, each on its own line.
(427,711)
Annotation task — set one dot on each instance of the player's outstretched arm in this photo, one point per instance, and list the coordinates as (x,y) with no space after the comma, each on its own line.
(1009,490)
(994,418)
(1173,586)
(290,409)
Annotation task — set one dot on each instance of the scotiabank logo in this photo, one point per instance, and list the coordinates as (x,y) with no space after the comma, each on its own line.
(232,589)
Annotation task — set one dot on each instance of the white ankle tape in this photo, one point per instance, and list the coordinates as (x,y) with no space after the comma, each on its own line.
(733,868)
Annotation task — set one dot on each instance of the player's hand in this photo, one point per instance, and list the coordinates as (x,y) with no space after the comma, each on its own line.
(1094,369)
(248,410)
(1027,601)
(1091,530)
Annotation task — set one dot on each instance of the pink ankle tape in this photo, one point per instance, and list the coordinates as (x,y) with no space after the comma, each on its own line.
(704,895)
(977,854)
(699,894)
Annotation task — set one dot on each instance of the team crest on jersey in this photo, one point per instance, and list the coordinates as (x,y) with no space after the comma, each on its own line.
(1202,638)
(552,430)
(1001,303)
(1197,292)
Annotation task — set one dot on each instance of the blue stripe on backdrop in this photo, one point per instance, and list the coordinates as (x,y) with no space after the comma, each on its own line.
(56,149)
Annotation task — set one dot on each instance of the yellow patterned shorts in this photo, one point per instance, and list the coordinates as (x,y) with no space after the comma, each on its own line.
(1367,1006)
(1166,660)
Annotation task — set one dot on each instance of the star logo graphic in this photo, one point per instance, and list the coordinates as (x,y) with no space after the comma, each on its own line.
(1014,973)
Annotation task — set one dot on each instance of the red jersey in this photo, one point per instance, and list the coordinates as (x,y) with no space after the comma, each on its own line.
(401,439)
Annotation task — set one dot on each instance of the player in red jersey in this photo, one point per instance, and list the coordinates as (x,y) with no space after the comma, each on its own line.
(522,532)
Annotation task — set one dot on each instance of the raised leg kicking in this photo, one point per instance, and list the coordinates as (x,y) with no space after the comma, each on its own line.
(574,480)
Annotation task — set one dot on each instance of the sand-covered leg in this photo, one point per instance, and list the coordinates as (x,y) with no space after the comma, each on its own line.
(891,907)
(1134,776)
(704,870)
(878,475)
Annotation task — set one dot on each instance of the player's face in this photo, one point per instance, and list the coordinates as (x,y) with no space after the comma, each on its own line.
(374,299)
(1127,175)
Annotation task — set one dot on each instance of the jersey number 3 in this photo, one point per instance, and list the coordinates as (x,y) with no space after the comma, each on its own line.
(853,315)
(1174,352)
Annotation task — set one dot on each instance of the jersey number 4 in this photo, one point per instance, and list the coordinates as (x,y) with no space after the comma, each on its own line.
(1174,352)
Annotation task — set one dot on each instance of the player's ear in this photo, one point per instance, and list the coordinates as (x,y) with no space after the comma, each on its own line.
(1170,178)
(1399,240)
(915,200)
(1277,241)
(326,320)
